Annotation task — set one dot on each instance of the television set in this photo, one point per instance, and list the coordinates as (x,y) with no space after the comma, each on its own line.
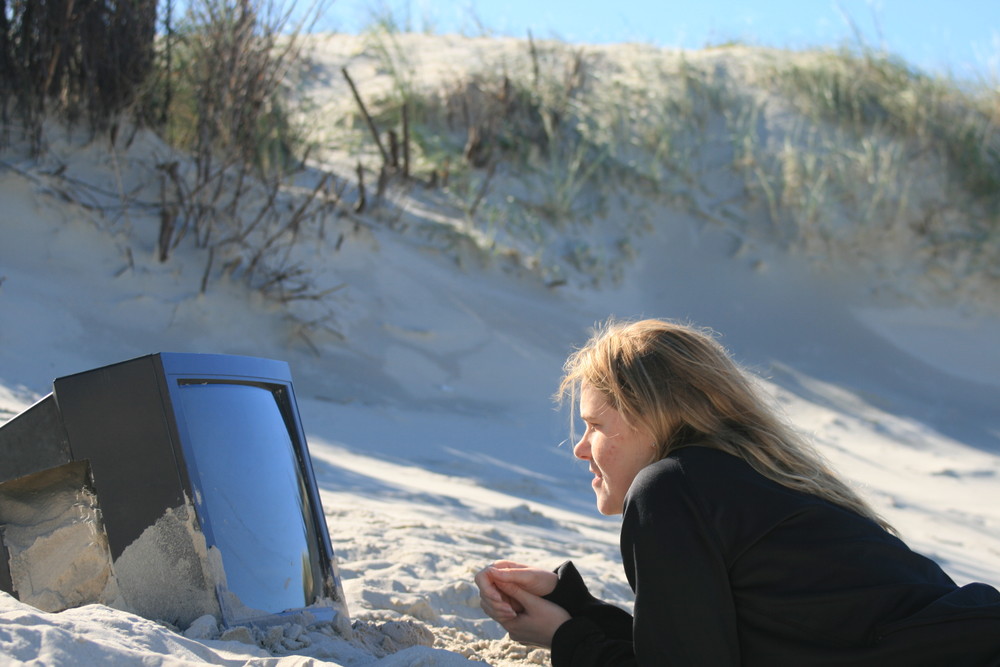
(172,485)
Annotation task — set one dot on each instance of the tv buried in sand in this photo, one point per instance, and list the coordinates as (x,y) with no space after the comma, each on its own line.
(172,486)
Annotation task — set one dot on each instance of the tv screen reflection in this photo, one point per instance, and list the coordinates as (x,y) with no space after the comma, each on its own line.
(246,471)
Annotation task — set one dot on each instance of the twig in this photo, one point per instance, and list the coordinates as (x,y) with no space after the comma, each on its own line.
(406,141)
(208,270)
(368,118)
(394,149)
(534,59)
(383,180)
(482,188)
(360,205)
(300,212)
(168,212)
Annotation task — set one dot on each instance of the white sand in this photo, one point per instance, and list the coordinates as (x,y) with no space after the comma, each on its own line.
(435,444)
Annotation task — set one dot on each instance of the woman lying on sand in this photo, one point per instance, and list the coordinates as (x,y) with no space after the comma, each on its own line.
(740,545)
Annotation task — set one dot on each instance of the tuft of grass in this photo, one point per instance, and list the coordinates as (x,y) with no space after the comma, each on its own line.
(871,91)
(223,86)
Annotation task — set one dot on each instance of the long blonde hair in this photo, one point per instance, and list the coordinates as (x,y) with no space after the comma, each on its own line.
(679,383)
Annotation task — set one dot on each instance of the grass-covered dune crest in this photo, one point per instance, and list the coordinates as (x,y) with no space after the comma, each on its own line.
(566,156)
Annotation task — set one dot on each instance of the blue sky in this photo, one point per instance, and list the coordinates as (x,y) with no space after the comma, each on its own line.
(961,37)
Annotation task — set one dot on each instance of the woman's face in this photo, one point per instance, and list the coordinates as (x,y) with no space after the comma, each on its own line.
(615,450)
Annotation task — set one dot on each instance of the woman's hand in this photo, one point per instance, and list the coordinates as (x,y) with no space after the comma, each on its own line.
(511,594)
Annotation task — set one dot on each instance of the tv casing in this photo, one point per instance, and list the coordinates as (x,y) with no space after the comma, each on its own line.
(125,422)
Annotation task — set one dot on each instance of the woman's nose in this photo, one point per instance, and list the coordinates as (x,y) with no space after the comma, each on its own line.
(581,450)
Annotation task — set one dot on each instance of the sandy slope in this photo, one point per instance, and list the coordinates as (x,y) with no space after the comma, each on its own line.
(436,447)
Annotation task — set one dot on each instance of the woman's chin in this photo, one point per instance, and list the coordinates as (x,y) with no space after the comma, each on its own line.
(606,506)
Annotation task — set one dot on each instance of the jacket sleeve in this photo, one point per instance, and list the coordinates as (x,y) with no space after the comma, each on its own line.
(572,595)
(684,609)
(599,633)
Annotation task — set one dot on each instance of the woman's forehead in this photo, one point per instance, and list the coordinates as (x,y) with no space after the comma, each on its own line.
(592,401)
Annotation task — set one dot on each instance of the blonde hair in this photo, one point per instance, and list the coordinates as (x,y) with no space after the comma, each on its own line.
(681,385)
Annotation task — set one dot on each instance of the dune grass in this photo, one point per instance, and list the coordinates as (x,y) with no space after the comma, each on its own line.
(846,155)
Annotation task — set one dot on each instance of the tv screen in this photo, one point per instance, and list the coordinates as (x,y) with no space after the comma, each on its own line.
(245,468)
(205,492)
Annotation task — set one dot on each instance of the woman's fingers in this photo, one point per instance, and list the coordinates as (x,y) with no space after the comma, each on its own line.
(494,602)
(531,579)
(537,622)
(496,609)
(509,565)
(487,589)
(510,593)
(501,613)
(500,604)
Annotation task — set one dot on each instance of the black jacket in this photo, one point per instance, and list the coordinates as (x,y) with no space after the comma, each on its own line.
(730,568)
